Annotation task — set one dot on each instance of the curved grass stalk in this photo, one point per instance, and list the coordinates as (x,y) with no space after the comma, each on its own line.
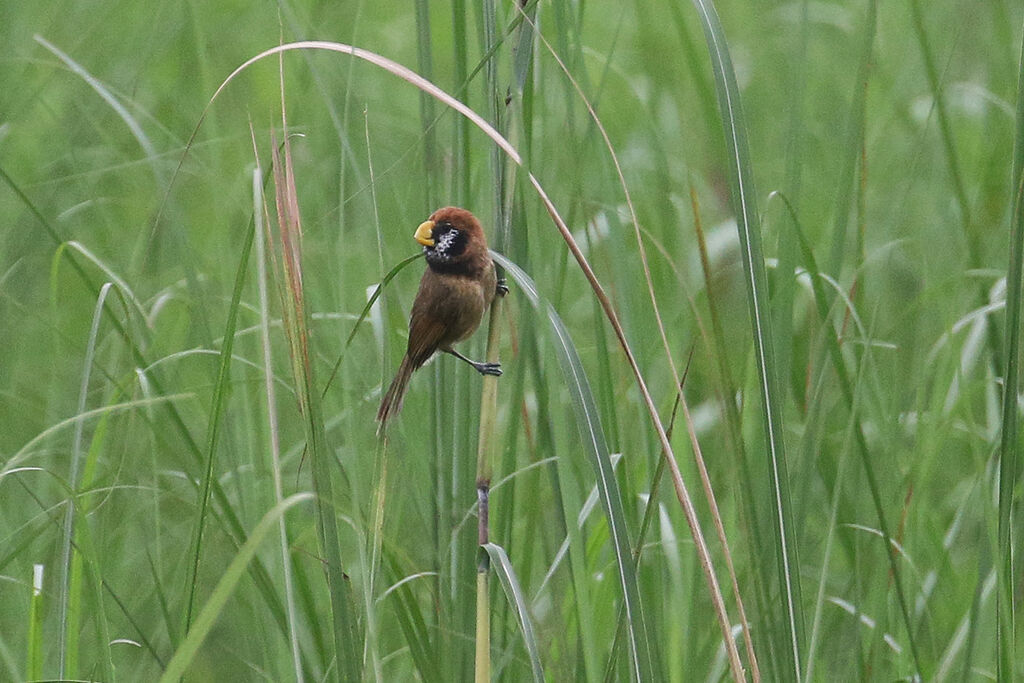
(730,646)
(744,200)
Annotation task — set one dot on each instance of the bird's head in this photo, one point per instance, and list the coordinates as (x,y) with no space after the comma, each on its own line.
(453,241)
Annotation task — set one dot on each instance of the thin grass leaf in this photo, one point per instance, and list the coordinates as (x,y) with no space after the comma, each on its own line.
(87,563)
(946,131)
(272,423)
(64,596)
(225,588)
(220,392)
(593,443)
(105,93)
(296,326)
(425,62)
(514,593)
(365,312)
(122,286)
(460,150)
(852,144)
(412,623)
(82,469)
(846,386)
(785,292)
(1009,454)
(169,622)
(28,449)
(744,199)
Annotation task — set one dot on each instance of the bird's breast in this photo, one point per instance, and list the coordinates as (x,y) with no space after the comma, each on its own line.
(456,302)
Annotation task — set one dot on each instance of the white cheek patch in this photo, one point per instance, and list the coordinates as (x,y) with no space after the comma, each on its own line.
(445,242)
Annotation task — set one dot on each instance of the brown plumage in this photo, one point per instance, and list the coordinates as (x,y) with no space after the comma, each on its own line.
(457,287)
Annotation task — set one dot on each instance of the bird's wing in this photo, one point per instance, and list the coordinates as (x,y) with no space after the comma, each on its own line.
(426,334)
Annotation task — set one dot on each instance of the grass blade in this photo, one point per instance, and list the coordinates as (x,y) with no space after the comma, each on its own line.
(220,392)
(847,389)
(593,442)
(67,636)
(207,616)
(744,200)
(272,423)
(296,324)
(507,575)
(1009,453)
(412,623)
(948,144)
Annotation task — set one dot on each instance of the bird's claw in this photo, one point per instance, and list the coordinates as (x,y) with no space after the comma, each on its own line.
(493,369)
(502,287)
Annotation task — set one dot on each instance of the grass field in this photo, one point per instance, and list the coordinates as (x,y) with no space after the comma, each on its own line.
(805,214)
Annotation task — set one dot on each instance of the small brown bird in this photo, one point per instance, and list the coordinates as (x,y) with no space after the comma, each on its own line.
(457,287)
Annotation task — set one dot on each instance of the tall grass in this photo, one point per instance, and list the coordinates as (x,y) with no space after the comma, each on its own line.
(189,451)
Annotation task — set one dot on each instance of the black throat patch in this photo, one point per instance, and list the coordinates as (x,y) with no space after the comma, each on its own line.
(449,245)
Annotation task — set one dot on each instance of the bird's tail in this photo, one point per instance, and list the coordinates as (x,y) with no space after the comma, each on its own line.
(392,402)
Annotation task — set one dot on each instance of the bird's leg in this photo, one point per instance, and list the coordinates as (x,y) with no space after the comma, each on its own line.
(502,288)
(482,368)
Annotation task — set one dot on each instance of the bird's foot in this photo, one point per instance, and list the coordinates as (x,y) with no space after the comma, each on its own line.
(502,288)
(493,369)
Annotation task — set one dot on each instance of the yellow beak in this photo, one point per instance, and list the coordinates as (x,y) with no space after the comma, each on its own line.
(423,233)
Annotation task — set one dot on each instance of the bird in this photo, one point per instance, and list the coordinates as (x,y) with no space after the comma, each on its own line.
(456,290)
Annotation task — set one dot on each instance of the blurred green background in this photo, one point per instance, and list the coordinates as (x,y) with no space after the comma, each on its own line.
(891,137)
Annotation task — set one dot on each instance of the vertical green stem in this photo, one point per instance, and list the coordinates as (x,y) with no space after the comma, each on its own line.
(489,396)
(485,456)
(1008,451)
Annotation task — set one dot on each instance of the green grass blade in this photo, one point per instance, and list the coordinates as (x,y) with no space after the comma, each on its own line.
(593,443)
(852,144)
(365,312)
(108,97)
(411,621)
(207,616)
(64,591)
(514,593)
(744,200)
(846,386)
(946,131)
(272,422)
(1009,453)
(87,563)
(220,392)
